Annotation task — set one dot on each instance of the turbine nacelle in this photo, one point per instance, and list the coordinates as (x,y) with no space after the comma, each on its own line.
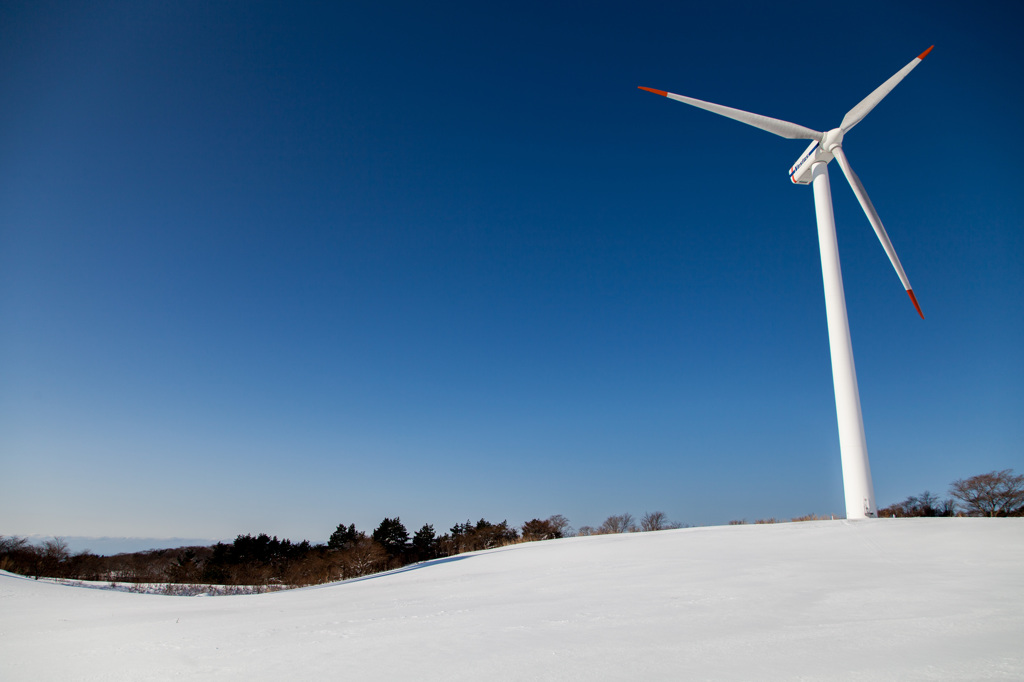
(816,152)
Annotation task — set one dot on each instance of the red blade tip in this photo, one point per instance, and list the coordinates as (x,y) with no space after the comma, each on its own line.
(656,92)
(913,299)
(925,53)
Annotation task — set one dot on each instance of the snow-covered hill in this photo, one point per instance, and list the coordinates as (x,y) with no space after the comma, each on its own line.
(913,599)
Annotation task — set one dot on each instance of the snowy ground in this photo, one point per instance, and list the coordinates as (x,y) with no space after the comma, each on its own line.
(175,589)
(913,599)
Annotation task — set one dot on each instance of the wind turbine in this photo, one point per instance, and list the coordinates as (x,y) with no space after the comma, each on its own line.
(812,168)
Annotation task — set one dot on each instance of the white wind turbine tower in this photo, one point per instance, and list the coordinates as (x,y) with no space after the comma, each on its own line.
(812,168)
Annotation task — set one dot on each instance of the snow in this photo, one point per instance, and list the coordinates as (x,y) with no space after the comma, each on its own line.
(908,599)
(175,589)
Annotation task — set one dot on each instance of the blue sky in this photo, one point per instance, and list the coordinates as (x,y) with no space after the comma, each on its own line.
(270,267)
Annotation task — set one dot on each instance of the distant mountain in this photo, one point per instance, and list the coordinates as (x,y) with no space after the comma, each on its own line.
(108,546)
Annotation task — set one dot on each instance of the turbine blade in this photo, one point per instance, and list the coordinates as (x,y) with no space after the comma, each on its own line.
(857,114)
(876,222)
(791,131)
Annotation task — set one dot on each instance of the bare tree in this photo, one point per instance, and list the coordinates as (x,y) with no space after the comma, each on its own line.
(56,549)
(17,555)
(656,520)
(925,504)
(623,523)
(562,526)
(12,543)
(55,557)
(365,556)
(997,493)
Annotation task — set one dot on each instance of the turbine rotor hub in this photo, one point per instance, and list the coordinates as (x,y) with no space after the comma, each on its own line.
(832,139)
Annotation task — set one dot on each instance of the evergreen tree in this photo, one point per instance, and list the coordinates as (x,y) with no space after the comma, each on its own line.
(535,529)
(343,537)
(392,535)
(424,543)
(461,529)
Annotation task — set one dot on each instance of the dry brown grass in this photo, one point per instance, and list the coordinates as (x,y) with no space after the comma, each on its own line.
(812,517)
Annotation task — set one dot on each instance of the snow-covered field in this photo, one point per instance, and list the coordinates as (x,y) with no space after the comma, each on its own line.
(909,599)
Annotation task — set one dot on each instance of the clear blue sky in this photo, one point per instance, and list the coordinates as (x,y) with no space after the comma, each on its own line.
(270,267)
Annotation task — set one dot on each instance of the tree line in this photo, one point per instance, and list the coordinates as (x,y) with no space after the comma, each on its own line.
(265,560)
(350,553)
(997,493)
